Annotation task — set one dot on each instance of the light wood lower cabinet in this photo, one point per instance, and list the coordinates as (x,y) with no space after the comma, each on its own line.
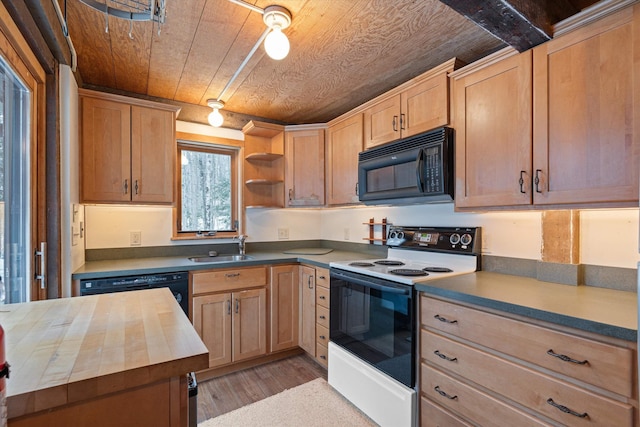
(233,325)
(307,285)
(481,367)
(322,315)
(284,303)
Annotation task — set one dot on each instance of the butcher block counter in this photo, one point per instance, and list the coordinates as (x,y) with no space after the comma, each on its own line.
(111,359)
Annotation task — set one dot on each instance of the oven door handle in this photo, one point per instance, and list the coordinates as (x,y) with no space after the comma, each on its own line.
(367,284)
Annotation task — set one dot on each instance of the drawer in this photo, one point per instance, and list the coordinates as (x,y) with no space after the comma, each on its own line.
(608,366)
(322,335)
(228,280)
(322,296)
(322,316)
(322,277)
(540,392)
(322,355)
(476,406)
(432,415)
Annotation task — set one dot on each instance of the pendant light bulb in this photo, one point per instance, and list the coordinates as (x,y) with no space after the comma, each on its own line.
(277,44)
(215,118)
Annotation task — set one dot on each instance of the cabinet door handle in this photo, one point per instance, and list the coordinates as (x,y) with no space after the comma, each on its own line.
(402,121)
(310,282)
(566,358)
(521,181)
(444,393)
(567,410)
(444,356)
(536,181)
(356,189)
(41,275)
(229,307)
(444,319)
(136,186)
(126,186)
(394,123)
(237,305)
(290,194)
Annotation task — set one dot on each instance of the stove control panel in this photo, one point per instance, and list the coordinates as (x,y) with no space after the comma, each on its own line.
(445,239)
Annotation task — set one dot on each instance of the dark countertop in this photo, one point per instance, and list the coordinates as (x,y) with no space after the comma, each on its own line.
(137,266)
(603,311)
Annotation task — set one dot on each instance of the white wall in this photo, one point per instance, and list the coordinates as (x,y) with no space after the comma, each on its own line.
(72,249)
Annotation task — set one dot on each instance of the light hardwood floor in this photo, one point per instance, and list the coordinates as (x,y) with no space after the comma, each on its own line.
(221,395)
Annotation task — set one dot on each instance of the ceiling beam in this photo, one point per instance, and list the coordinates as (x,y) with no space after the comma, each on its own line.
(521,24)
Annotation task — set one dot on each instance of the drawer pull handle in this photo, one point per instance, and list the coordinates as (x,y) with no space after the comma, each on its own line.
(322,317)
(323,357)
(444,356)
(567,358)
(445,320)
(444,393)
(566,410)
(322,277)
(322,297)
(322,337)
(232,275)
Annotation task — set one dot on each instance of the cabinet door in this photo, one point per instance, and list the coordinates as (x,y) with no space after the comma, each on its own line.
(153,152)
(344,142)
(308,309)
(382,122)
(284,303)
(304,173)
(212,321)
(587,113)
(249,323)
(493,122)
(425,106)
(105,151)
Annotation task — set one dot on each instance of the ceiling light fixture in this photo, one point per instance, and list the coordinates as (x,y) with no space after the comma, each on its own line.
(276,44)
(277,18)
(215,118)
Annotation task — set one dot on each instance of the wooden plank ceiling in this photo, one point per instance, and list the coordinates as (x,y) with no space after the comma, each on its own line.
(343,53)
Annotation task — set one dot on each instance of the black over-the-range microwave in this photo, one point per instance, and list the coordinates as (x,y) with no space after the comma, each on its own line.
(417,169)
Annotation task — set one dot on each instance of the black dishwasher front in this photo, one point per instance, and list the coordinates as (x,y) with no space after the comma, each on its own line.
(178,283)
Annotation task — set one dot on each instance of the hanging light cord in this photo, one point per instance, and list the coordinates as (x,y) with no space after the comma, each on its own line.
(246,60)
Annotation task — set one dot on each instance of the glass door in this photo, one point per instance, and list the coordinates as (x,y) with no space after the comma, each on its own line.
(15,247)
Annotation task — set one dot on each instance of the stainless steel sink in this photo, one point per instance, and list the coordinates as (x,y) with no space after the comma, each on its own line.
(221,258)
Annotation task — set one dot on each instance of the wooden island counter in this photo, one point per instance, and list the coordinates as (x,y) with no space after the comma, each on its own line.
(105,360)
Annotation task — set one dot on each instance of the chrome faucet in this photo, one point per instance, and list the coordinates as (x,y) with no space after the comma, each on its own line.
(241,238)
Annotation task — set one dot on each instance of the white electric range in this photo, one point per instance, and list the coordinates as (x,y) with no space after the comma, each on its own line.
(374,317)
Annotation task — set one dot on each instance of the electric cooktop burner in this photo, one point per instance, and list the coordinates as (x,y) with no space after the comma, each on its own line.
(408,272)
(361,264)
(388,262)
(437,270)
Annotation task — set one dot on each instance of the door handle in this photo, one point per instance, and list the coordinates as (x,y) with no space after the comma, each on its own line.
(394,123)
(536,181)
(40,274)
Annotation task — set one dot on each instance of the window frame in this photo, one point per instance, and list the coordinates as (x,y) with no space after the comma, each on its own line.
(206,144)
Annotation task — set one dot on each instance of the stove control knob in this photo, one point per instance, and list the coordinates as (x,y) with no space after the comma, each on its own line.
(400,234)
(466,239)
(392,234)
(454,239)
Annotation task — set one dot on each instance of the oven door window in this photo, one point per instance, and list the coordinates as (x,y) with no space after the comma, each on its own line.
(376,324)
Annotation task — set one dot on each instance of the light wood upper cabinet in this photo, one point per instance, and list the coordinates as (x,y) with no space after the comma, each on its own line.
(555,126)
(127,149)
(344,142)
(493,122)
(587,113)
(304,172)
(418,106)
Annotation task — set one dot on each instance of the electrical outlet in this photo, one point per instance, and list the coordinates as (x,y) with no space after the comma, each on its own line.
(135,238)
(283,233)
(346,234)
